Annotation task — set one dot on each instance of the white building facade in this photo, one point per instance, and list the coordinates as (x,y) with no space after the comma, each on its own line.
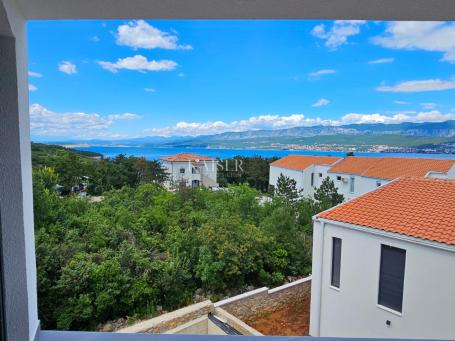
(307,171)
(354,176)
(191,170)
(375,282)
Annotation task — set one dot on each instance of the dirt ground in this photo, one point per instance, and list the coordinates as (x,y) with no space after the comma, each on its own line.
(290,321)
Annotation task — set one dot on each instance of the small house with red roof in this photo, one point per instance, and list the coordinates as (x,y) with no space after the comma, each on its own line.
(191,170)
(384,263)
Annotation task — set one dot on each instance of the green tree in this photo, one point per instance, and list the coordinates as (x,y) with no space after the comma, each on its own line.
(286,188)
(327,195)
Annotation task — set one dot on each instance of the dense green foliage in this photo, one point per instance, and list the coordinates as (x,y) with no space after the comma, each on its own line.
(101,174)
(142,246)
(251,170)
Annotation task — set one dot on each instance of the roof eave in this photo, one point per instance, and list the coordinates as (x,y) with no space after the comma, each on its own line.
(388,234)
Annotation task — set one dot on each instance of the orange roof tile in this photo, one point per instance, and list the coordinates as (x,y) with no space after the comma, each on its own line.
(391,167)
(301,162)
(187,157)
(417,207)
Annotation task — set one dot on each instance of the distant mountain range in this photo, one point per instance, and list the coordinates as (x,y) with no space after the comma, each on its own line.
(402,135)
(428,129)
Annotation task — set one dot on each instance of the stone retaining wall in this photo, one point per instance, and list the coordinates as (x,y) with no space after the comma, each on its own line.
(256,303)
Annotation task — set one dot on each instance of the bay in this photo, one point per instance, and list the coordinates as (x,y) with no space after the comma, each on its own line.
(154,153)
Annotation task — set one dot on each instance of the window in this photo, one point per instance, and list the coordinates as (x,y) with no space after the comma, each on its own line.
(320,175)
(336,262)
(351,188)
(391,277)
(182,170)
(312,179)
(378,183)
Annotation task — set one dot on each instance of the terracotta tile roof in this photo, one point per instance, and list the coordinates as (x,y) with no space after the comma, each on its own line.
(185,157)
(418,207)
(391,167)
(301,162)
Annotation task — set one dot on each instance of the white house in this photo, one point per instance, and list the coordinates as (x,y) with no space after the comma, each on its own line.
(193,170)
(307,171)
(354,176)
(384,263)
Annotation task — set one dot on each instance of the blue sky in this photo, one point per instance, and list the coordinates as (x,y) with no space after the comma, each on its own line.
(119,79)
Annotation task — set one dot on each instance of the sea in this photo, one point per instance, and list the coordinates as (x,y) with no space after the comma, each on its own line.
(155,153)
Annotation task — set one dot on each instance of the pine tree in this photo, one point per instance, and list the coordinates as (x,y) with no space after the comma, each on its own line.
(327,195)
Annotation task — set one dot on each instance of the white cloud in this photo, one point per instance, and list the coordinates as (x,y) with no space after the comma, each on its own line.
(140,34)
(321,102)
(382,61)
(125,116)
(429,105)
(319,73)
(67,67)
(138,63)
(420,35)
(252,123)
(181,74)
(428,116)
(32,87)
(271,122)
(35,74)
(95,39)
(44,122)
(339,33)
(149,90)
(401,102)
(419,86)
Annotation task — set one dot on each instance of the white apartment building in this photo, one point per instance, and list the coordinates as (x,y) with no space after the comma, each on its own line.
(193,170)
(384,263)
(354,175)
(307,171)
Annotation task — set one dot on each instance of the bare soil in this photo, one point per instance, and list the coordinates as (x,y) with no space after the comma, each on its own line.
(290,321)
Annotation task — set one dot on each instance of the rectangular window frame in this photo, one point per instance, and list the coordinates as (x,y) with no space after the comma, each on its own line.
(335,276)
(352,184)
(395,309)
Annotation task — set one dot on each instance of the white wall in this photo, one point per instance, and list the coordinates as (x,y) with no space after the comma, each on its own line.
(352,311)
(362,184)
(16,197)
(302,177)
(206,169)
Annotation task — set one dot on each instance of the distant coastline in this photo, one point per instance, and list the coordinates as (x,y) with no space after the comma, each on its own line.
(155,153)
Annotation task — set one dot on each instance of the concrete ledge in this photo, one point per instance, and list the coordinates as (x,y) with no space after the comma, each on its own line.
(197,326)
(171,320)
(290,285)
(241,296)
(236,323)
